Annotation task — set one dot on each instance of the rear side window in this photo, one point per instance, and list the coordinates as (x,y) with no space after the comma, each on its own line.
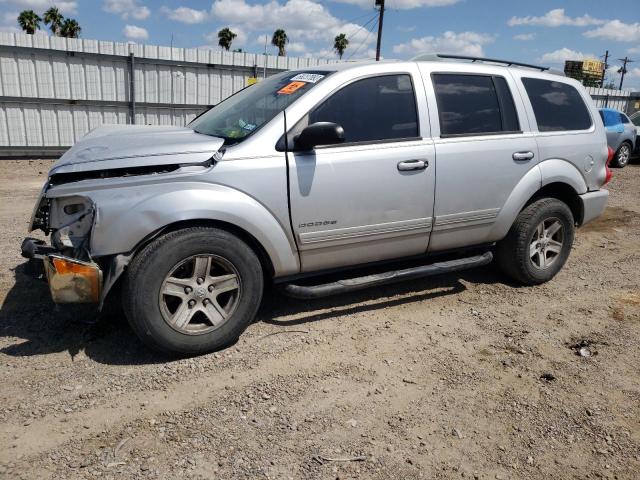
(372,109)
(609,117)
(474,104)
(557,106)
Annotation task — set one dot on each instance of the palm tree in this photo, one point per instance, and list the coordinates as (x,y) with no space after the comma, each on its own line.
(29,21)
(340,44)
(70,28)
(54,19)
(225,38)
(279,40)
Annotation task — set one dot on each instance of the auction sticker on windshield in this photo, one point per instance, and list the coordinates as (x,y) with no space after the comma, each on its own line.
(307,77)
(290,88)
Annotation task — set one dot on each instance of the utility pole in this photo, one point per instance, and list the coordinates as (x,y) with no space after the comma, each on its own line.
(379,3)
(622,70)
(604,68)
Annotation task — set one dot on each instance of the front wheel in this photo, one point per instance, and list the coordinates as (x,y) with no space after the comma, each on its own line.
(622,156)
(193,291)
(538,243)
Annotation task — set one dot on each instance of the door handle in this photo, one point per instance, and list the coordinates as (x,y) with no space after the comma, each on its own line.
(523,155)
(412,165)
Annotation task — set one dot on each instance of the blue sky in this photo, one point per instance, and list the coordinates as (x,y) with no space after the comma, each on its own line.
(541,31)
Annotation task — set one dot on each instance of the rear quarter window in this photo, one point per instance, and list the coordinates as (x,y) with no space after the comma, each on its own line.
(557,106)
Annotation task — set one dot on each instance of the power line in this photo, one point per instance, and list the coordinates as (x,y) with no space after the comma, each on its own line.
(356,30)
(370,30)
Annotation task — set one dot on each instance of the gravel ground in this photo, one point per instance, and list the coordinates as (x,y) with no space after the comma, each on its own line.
(459,376)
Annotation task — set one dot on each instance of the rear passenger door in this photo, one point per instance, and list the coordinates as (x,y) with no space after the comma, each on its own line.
(483,149)
(613,127)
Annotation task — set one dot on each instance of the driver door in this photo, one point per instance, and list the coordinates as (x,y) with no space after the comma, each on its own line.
(371,197)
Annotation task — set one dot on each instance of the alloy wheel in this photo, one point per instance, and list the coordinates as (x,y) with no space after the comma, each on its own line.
(546,244)
(199,294)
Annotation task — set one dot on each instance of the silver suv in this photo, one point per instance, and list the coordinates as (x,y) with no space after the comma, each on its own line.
(444,161)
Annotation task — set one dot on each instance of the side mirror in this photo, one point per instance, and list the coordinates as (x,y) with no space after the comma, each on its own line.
(319,133)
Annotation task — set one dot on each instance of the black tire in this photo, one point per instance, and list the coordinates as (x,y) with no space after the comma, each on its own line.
(145,276)
(513,252)
(622,155)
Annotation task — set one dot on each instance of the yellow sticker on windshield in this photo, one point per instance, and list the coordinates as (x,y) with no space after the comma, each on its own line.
(291,88)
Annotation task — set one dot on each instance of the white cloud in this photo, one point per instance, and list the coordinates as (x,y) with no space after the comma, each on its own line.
(407,29)
(185,15)
(303,20)
(133,32)
(525,37)
(403,4)
(126,9)
(464,43)
(66,7)
(616,30)
(555,18)
(563,54)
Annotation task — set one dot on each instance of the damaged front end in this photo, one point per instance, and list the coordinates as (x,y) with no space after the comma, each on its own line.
(73,276)
(92,187)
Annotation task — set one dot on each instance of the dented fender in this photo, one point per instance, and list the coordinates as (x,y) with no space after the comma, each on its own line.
(125,216)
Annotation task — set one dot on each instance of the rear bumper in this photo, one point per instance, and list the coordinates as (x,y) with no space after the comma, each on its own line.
(593,204)
(70,280)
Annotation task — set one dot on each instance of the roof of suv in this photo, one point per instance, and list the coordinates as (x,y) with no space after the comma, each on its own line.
(444,62)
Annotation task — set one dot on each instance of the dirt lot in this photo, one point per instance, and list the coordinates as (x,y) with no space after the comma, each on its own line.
(458,376)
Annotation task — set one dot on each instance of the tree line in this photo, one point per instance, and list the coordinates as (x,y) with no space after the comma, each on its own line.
(60,26)
(30,21)
(279,39)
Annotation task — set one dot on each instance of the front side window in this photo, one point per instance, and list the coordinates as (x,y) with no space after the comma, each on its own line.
(557,106)
(242,114)
(624,118)
(372,109)
(474,104)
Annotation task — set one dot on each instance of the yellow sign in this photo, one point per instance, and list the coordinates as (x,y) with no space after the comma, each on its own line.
(591,65)
(251,80)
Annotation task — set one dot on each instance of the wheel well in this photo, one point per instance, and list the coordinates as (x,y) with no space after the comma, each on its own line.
(564,193)
(254,244)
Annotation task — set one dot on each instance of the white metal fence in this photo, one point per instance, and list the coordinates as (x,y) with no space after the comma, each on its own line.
(53,90)
(622,100)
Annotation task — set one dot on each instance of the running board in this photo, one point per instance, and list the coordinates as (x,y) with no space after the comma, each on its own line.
(393,276)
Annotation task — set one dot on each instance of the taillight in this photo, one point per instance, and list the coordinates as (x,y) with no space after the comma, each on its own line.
(608,171)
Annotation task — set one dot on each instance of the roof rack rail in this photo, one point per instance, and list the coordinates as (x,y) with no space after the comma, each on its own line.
(440,56)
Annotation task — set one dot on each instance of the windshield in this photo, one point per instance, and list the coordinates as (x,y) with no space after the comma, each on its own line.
(240,115)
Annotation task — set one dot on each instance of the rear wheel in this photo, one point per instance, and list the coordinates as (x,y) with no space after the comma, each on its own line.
(538,243)
(622,156)
(193,291)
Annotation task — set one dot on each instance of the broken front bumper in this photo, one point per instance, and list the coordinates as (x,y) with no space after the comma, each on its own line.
(70,280)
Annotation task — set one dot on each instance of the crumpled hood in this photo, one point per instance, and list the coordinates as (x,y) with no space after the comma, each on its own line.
(122,146)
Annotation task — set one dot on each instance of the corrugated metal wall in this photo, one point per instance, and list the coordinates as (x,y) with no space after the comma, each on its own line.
(54,90)
(619,99)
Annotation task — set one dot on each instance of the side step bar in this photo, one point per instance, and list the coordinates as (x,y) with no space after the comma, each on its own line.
(359,283)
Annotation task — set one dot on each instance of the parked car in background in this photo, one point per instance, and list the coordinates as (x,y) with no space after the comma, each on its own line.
(621,135)
(635,119)
(319,170)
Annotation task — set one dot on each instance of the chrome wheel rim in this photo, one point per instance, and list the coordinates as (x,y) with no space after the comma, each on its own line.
(546,244)
(199,294)
(623,155)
